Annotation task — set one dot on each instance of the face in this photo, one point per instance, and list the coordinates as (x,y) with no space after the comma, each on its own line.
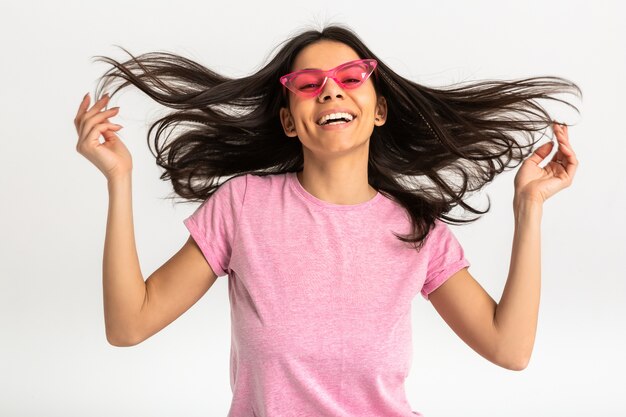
(301,117)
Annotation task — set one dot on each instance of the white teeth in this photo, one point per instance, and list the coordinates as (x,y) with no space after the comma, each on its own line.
(347,116)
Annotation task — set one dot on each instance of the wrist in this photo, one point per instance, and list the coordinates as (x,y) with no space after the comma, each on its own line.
(527,199)
(526,208)
(118,181)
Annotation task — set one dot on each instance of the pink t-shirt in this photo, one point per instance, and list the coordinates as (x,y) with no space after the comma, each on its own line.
(320,296)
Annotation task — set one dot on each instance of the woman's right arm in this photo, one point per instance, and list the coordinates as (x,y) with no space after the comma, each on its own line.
(134,309)
(124,289)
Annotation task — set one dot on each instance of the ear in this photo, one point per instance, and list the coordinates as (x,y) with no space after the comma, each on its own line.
(287,121)
(381,111)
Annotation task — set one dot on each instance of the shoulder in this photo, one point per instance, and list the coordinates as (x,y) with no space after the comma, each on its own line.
(237,181)
(438,230)
(234,186)
(441,239)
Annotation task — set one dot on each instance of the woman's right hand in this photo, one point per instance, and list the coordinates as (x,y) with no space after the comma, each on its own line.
(111,157)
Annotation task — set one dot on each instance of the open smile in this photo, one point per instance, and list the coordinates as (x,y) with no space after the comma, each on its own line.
(336,125)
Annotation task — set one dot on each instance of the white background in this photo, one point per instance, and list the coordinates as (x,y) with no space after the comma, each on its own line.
(54,357)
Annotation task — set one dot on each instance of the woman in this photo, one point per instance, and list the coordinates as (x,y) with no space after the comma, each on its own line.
(324,170)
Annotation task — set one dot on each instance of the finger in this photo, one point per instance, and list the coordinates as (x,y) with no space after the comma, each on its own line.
(98,105)
(567,153)
(541,152)
(567,159)
(81,109)
(562,136)
(111,133)
(93,136)
(98,118)
(101,117)
(559,157)
(566,135)
(101,101)
(564,143)
(571,162)
(561,132)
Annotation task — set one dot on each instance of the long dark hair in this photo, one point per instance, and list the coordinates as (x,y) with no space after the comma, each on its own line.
(437,145)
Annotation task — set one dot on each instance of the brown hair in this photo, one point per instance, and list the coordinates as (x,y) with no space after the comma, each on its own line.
(432,137)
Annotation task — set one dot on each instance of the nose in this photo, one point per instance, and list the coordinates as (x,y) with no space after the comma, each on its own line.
(330,89)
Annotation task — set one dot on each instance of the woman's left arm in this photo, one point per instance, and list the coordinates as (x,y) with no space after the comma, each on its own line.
(504,332)
(516,314)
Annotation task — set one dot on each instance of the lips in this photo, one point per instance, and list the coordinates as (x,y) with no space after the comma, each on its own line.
(335,110)
(337,126)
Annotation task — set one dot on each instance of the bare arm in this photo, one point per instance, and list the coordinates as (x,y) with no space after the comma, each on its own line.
(518,310)
(173,289)
(135,310)
(124,289)
(503,333)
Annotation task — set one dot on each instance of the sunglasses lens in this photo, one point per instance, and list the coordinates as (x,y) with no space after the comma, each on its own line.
(308,82)
(354,75)
(350,76)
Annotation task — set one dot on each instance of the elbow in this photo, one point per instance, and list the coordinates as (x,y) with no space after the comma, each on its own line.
(523,364)
(513,356)
(124,335)
(121,341)
(510,361)
(517,364)
(116,341)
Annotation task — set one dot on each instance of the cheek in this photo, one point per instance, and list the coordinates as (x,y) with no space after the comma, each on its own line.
(367,110)
(302,114)
(366,100)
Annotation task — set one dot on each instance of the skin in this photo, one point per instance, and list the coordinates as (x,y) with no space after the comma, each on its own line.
(504,332)
(335,162)
(335,170)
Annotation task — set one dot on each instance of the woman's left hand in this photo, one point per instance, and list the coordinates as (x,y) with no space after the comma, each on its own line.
(539,184)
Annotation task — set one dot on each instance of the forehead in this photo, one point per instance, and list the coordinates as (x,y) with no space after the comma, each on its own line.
(324,55)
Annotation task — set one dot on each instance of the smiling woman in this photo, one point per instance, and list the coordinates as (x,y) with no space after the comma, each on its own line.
(323,237)
(474,132)
(344,100)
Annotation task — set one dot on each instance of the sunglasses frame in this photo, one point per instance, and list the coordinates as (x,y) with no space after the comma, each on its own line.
(285,80)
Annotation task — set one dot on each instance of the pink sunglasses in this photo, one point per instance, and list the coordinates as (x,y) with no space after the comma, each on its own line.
(310,82)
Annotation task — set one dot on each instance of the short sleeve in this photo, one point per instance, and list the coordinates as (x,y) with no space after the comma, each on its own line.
(445,257)
(213,225)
